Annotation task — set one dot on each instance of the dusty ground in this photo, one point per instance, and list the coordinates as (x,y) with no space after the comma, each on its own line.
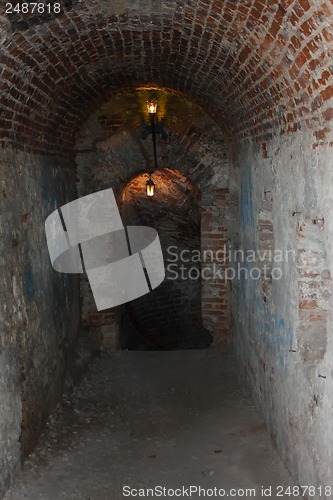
(146,419)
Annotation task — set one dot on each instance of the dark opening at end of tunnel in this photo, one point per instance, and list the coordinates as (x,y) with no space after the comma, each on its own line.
(171,313)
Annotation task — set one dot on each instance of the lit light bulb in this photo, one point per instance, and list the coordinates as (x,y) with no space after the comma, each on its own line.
(150,187)
(152,107)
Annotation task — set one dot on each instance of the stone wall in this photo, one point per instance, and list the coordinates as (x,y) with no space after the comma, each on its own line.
(39,307)
(283,339)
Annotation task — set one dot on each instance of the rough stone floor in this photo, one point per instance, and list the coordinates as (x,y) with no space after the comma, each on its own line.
(147,419)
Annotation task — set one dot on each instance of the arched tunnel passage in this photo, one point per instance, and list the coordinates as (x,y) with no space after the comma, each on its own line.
(191,201)
(171,312)
(262,69)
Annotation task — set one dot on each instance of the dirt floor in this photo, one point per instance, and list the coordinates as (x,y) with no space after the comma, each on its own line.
(154,419)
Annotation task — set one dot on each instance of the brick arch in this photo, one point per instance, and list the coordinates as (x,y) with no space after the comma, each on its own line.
(207,168)
(109,146)
(258,66)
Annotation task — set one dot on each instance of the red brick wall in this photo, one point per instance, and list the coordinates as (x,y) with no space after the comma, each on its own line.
(314,288)
(215,243)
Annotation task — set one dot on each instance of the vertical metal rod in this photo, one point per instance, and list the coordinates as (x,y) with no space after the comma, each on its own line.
(153,130)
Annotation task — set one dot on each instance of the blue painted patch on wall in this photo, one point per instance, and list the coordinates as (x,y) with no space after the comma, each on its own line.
(50,189)
(276,333)
(28,283)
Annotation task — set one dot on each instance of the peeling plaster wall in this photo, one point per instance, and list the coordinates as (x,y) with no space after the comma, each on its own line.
(274,340)
(39,308)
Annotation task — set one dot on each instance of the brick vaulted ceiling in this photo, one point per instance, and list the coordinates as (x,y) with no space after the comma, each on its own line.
(256,65)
